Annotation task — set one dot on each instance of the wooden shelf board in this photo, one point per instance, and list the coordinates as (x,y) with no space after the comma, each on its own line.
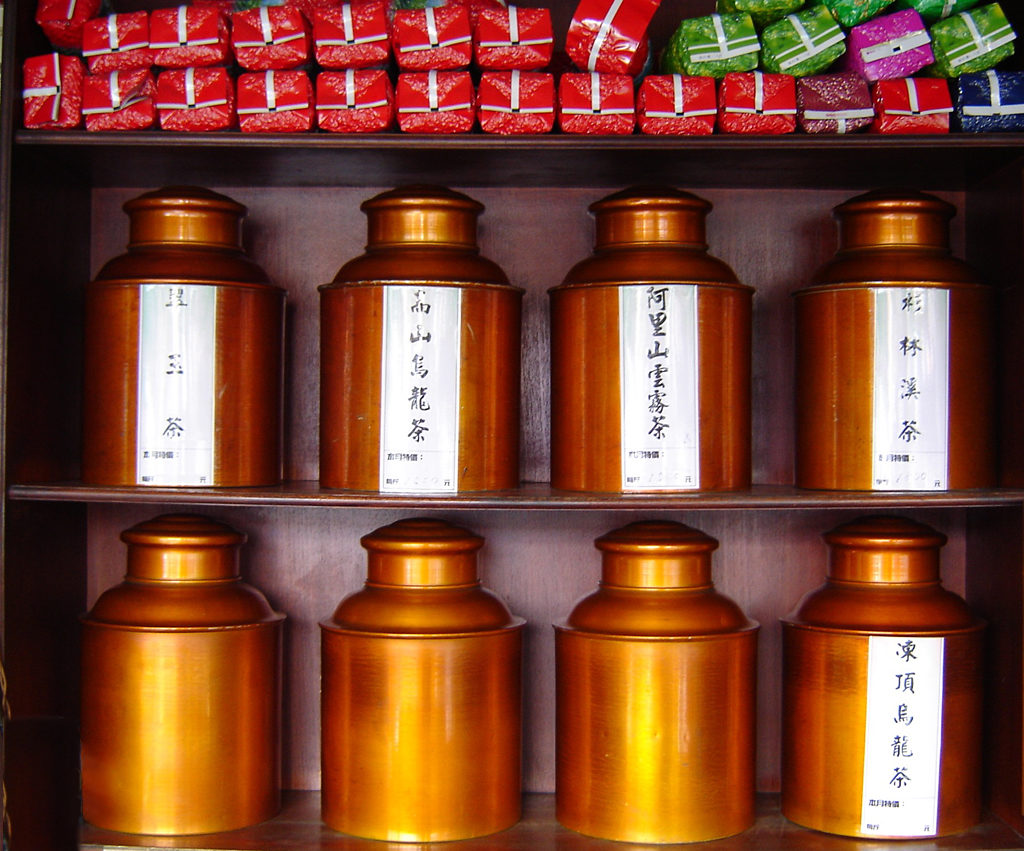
(298,826)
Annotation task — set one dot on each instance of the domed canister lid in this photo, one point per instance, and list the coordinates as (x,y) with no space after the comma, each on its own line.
(421,552)
(646,215)
(656,554)
(884,550)
(894,218)
(182,547)
(431,215)
(185,214)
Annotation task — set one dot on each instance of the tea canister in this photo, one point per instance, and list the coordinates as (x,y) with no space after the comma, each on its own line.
(181,681)
(895,356)
(419,388)
(421,694)
(882,691)
(656,705)
(650,355)
(183,352)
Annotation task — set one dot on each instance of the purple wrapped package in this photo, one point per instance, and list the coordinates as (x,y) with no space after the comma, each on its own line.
(834,103)
(889,47)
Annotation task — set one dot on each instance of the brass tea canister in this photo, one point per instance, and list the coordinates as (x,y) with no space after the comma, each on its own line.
(421,694)
(419,388)
(656,704)
(181,680)
(895,356)
(183,352)
(882,691)
(650,355)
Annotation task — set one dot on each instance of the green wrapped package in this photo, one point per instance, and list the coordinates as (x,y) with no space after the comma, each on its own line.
(712,46)
(763,12)
(972,41)
(935,10)
(805,43)
(852,12)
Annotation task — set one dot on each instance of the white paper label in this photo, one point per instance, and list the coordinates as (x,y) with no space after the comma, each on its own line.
(902,736)
(419,431)
(175,420)
(910,405)
(659,381)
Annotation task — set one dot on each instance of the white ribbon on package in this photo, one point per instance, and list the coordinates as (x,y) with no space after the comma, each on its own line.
(807,47)
(53,91)
(191,101)
(995,105)
(981,43)
(722,48)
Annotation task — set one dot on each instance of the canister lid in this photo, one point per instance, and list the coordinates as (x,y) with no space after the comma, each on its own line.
(656,554)
(422,214)
(421,552)
(182,547)
(646,215)
(894,218)
(884,550)
(185,214)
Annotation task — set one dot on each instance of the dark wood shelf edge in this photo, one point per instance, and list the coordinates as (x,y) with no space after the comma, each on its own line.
(298,826)
(528,496)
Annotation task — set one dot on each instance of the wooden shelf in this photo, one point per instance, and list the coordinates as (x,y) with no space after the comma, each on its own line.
(298,826)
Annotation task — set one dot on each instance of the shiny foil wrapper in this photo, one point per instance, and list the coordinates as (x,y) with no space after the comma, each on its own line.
(494,47)
(117,43)
(912,105)
(119,100)
(357,100)
(352,35)
(275,102)
(852,12)
(435,102)
(990,101)
(596,104)
(196,99)
(63,22)
(756,102)
(436,38)
(52,92)
(834,103)
(514,102)
(610,37)
(205,31)
(712,46)
(803,43)
(270,38)
(973,41)
(673,104)
(762,12)
(889,47)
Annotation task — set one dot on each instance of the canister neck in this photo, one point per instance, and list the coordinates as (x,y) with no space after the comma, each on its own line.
(656,554)
(894,219)
(422,215)
(185,215)
(650,216)
(182,548)
(884,550)
(422,553)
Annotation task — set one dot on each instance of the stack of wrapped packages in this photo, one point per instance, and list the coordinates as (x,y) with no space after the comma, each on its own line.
(455,66)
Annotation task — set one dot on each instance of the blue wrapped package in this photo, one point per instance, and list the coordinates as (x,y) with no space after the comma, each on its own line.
(990,100)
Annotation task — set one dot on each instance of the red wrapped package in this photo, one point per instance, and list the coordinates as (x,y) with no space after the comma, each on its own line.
(189,37)
(352,35)
(270,38)
(833,103)
(225,7)
(435,102)
(436,38)
(117,43)
(513,39)
(675,104)
(597,104)
(755,102)
(195,99)
(120,100)
(516,102)
(356,100)
(52,92)
(912,105)
(475,7)
(275,102)
(610,35)
(309,8)
(63,21)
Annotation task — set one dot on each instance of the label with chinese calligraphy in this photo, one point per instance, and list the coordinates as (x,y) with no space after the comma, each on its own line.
(421,351)
(910,404)
(902,736)
(659,387)
(175,420)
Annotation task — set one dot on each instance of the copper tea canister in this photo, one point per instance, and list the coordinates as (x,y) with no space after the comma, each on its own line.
(420,355)
(895,356)
(183,352)
(882,691)
(650,355)
(181,680)
(421,694)
(656,704)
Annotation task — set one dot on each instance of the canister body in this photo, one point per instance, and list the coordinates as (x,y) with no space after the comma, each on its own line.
(650,355)
(181,675)
(882,692)
(420,355)
(183,358)
(421,695)
(895,356)
(656,706)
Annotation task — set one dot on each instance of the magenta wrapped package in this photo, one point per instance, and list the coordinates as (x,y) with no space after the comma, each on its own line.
(889,47)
